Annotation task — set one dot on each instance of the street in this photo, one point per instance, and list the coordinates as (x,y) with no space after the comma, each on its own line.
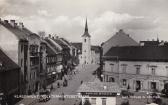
(84,74)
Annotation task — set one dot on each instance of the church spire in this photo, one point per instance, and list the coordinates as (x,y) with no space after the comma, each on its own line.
(86,26)
(86,33)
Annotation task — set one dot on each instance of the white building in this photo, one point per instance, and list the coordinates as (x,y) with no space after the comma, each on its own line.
(139,68)
(86,47)
(99,93)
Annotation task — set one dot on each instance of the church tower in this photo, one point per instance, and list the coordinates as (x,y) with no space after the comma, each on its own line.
(86,46)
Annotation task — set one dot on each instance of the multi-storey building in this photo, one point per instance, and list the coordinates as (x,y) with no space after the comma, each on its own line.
(23,47)
(9,79)
(53,60)
(14,42)
(138,68)
(86,47)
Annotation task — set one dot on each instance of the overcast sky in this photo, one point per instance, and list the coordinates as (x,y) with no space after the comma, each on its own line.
(142,19)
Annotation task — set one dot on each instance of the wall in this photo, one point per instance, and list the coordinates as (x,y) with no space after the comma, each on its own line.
(86,50)
(9,43)
(109,100)
(115,70)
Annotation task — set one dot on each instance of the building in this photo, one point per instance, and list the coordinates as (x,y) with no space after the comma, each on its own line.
(53,61)
(24,48)
(14,42)
(139,68)
(9,78)
(120,38)
(99,93)
(86,47)
(87,53)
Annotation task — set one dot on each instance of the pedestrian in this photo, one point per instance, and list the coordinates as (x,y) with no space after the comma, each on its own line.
(58,85)
(81,82)
(63,96)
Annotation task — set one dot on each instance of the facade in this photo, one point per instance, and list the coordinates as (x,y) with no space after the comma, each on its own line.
(24,48)
(9,78)
(16,47)
(53,61)
(86,47)
(138,68)
(99,93)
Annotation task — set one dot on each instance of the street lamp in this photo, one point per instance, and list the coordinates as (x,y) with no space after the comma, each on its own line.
(102,77)
(147,97)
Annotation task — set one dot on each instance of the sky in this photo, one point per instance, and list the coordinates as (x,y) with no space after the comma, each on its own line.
(142,19)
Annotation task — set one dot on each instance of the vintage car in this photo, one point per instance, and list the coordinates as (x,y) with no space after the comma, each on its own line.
(44,95)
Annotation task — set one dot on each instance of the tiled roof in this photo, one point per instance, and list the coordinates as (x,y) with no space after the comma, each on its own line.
(119,39)
(96,49)
(6,62)
(58,41)
(78,45)
(138,53)
(99,87)
(51,46)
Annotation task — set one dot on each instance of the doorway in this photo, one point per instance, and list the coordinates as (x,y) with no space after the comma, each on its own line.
(153,85)
(138,85)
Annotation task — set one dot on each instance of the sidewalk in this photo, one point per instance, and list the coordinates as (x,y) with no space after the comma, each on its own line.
(27,101)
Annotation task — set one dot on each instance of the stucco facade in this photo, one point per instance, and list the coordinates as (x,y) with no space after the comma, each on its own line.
(136,75)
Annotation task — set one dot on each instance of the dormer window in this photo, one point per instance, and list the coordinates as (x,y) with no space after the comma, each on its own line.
(85,40)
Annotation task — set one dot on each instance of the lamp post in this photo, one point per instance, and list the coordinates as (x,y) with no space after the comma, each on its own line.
(102,77)
(147,93)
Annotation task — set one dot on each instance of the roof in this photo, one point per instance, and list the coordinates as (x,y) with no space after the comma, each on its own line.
(150,43)
(78,45)
(86,33)
(51,47)
(6,62)
(99,87)
(62,44)
(15,30)
(96,49)
(138,53)
(119,39)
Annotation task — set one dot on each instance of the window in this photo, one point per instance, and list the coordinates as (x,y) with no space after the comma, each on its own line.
(124,82)
(30,76)
(34,75)
(167,70)
(85,40)
(111,79)
(124,67)
(153,70)
(21,62)
(138,69)
(112,67)
(103,101)
(93,101)
(21,48)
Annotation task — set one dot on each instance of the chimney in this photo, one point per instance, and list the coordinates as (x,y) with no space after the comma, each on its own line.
(6,21)
(12,22)
(21,25)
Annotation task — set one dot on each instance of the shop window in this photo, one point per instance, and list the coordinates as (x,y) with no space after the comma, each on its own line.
(104,101)
(93,101)
(124,82)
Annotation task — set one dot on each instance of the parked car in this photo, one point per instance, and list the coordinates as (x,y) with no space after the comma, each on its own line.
(44,95)
(126,93)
